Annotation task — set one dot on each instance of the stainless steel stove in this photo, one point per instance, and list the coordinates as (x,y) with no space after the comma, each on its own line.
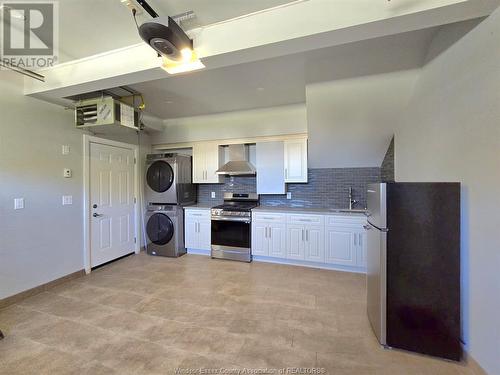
(232,227)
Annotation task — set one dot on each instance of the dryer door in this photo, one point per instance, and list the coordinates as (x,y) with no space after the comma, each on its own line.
(160,229)
(160,176)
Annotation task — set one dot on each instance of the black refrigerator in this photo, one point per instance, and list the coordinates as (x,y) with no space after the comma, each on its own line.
(413,266)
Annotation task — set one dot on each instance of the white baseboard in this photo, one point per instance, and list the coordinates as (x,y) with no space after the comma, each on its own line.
(198,252)
(303,263)
(291,262)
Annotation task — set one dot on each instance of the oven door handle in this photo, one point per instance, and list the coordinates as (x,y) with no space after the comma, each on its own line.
(237,219)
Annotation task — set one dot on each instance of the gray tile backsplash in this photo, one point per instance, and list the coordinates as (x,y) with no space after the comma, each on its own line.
(327,188)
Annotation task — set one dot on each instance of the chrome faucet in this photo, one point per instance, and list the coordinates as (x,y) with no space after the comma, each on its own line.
(352,201)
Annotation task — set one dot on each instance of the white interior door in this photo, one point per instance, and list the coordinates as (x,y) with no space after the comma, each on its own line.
(112,218)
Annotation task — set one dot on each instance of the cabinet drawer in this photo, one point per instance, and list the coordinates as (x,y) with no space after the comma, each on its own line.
(198,214)
(269,217)
(305,219)
(345,220)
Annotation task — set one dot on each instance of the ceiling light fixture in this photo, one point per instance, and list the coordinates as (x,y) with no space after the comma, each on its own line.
(186,54)
(173,67)
(167,38)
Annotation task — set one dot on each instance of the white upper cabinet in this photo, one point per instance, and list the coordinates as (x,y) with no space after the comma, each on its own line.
(207,159)
(270,164)
(296,160)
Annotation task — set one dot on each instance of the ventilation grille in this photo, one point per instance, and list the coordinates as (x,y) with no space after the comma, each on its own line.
(86,115)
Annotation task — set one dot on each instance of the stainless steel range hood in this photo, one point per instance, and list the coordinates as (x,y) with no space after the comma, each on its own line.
(238,164)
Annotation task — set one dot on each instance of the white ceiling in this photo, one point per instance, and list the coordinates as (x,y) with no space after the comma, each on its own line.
(89,27)
(282,80)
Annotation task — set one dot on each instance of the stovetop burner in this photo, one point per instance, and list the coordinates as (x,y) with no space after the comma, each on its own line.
(237,206)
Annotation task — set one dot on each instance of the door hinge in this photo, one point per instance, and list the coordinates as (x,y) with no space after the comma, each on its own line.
(135,161)
(135,240)
(135,200)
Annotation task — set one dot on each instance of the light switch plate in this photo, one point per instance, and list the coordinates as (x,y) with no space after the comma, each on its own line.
(67,173)
(213,194)
(67,200)
(18,203)
(65,150)
(288,195)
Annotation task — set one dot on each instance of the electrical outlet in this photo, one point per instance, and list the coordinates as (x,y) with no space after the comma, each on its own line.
(65,150)
(288,195)
(18,203)
(67,200)
(213,195)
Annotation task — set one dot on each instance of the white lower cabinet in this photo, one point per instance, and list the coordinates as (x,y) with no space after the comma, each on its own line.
(197,229)
(328,239)
(314,244)
(340,248)
(345,246)
(260,244)
(269,239)
(277,240)
(295,239)
(306,242)
(306,237)
(361,249)
(333,240)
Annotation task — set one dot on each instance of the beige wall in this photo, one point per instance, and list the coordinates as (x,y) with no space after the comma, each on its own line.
(288,119)
(452,133)
(351,121)
(44,241)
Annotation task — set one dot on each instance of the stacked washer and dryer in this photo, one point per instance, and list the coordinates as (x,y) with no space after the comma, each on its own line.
(168,188)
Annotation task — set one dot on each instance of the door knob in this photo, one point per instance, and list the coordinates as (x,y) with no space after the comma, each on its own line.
(97,215)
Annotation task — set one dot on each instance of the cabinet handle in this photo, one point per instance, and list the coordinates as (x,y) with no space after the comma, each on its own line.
(307,235)
(360,240)
(302,235)
(270,233)
(286,173)
(265,233)
(355,239)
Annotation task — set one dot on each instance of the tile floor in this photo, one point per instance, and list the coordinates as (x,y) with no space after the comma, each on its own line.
(146,315)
